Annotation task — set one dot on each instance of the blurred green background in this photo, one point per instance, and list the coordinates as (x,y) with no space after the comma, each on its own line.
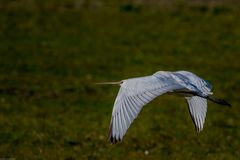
(52,52)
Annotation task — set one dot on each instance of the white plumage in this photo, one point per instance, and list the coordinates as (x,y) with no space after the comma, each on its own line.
(134,93)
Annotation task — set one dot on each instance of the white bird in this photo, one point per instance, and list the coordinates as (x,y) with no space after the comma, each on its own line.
(134,93)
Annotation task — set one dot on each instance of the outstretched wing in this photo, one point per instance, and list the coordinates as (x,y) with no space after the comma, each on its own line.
(132,96)
(198,108)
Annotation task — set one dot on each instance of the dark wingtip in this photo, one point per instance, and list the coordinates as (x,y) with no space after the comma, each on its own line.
(111,139)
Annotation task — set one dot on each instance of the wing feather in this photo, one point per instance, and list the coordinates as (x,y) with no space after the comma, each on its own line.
(123,118)
(127,117)
(198,109)
(135,111)
(132,96)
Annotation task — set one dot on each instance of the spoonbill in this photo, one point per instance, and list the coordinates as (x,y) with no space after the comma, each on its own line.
(134,93)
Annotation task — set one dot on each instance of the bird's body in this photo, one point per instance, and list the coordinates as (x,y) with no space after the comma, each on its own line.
(134,93)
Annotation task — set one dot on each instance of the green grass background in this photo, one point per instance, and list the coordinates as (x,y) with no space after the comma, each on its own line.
(52,52)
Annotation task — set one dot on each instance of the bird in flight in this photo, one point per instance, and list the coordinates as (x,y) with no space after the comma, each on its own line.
(134,93)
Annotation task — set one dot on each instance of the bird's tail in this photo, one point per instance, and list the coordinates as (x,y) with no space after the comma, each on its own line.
(218,100)
(118,82)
